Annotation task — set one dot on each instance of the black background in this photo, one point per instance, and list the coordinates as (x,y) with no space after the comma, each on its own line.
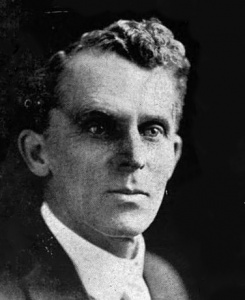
(200,226)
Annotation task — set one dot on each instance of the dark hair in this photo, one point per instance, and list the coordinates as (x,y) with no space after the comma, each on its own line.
(33,92)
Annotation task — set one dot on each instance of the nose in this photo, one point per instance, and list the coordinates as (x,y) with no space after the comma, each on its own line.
(131,153)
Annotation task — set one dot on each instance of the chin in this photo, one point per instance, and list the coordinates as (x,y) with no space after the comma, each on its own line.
(128,229)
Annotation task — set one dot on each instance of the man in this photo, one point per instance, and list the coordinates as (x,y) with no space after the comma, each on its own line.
(98,127)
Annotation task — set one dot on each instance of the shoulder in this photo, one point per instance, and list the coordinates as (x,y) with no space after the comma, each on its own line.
(163,280)
(160,267)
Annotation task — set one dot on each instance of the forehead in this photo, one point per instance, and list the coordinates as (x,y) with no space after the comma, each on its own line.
(109,81)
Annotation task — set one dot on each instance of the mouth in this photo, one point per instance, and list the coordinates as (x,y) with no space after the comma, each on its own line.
(128,192)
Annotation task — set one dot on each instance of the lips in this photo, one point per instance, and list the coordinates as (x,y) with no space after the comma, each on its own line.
(128,192)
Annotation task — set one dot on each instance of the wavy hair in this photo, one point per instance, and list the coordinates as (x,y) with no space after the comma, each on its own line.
(29,91)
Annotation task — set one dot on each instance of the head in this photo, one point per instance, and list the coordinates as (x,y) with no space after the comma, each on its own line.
(100,121)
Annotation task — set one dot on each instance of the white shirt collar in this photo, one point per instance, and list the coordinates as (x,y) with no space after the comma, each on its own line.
(104,275)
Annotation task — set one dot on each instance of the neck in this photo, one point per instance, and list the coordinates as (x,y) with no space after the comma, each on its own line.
(124,247)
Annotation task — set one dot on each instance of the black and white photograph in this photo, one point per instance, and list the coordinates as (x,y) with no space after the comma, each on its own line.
(122,150)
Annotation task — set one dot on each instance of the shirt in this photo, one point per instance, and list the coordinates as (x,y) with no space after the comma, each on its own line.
(104,275)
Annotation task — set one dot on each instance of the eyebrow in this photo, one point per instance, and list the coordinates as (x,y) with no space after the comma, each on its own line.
(80,116)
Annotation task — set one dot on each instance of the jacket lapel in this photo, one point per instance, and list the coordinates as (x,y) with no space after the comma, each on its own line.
(44,269)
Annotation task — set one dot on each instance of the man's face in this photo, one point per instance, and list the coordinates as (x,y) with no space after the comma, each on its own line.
(112,146)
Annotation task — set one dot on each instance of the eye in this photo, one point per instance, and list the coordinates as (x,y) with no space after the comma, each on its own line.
(97,128)
(95,124)
(152,131)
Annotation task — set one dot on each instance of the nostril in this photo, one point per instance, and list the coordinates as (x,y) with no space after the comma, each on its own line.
(131,163)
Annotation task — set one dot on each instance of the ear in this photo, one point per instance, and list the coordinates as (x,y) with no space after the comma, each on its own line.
(177,143)
(32,148)
(177,148)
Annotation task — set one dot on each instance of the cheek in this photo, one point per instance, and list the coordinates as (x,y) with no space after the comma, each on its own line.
(85,168)
(163,163)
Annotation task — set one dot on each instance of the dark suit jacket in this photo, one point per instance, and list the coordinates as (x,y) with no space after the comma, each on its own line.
(35,267)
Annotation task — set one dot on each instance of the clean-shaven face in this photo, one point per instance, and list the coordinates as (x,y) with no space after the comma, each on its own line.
(112,146)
